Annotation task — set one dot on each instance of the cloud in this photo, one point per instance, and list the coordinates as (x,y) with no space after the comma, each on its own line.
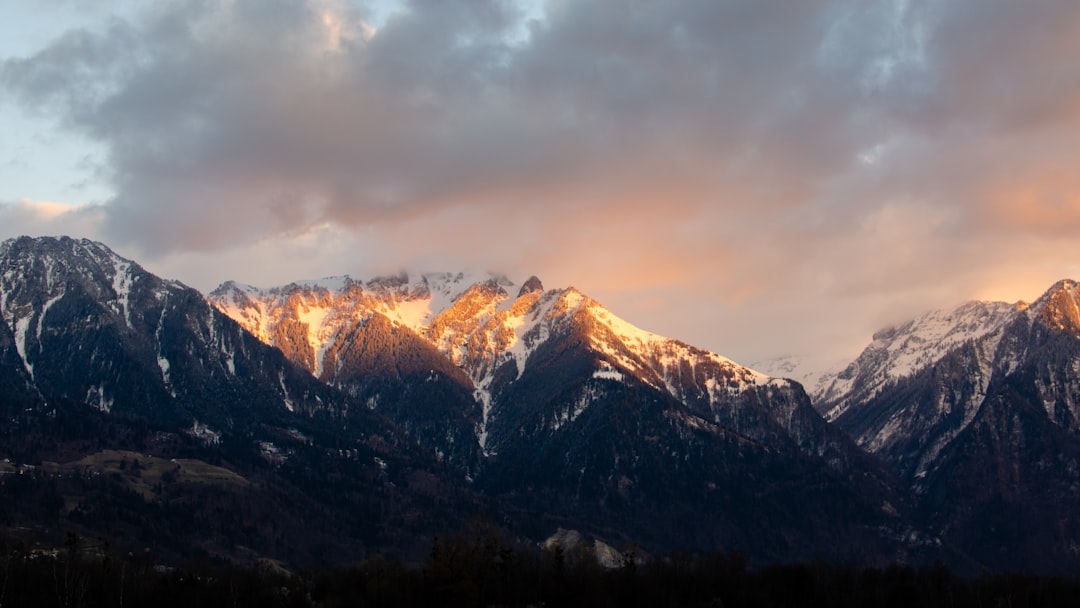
(842,155)
(295,114)
(46,217)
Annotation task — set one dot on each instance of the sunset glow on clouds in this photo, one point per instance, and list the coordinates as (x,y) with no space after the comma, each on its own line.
(756,178)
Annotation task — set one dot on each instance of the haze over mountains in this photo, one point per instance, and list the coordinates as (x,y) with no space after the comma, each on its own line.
(395,405)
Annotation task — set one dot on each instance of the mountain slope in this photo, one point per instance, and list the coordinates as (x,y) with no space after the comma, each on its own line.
(623,428)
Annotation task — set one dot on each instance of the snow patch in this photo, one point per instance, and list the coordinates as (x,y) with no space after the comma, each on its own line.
(271,453)
(22,327)
(96,397)
(608,374)
(163,365)
(885,435)
(285,393)
(413,313)
(299,436)
(484,397)
(122,288)
(203,433)
(45,309)
(318,335)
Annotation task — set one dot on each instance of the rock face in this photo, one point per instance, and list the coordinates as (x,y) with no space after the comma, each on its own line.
(550,402)
(976,409)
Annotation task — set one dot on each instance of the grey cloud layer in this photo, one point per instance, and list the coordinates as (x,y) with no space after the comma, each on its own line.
(635,140)
(291,114)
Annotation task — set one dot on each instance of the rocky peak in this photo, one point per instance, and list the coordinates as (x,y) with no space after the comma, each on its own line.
(531,285)
(389,282)
(1059,307)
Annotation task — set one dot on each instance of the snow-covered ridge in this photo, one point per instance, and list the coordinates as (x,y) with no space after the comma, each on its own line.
(902,350)
(480,322)
(652,355)
(410,299)
(325,307)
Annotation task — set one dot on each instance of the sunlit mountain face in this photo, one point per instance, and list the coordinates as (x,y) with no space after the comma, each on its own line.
(481,332)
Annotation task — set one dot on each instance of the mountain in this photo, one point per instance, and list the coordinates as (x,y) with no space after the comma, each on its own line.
(896,352)
(360,339)
(87,325)
(100,357)
(977,410)
(551,403)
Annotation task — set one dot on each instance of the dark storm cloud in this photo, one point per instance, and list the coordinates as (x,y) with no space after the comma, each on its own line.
(868,150)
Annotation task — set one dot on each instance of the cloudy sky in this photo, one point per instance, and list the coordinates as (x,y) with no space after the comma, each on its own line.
(755,177)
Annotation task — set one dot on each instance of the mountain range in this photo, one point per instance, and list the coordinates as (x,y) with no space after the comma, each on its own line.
(322,421)
(546,400)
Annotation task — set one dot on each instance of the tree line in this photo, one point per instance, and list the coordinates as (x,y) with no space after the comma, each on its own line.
(486,568)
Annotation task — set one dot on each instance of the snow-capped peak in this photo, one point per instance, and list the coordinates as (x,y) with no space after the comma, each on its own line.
(323,308)
(899,351)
